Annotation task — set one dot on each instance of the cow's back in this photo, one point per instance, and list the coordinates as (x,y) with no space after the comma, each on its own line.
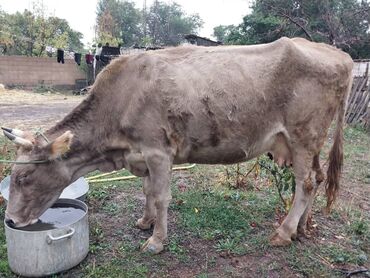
(227,99)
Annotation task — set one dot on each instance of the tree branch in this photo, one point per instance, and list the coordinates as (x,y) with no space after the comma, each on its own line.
(296,23)
(282,14)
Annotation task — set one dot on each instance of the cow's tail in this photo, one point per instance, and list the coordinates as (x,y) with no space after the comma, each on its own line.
(336,154)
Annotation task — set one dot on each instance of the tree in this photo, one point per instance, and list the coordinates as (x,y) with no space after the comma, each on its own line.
(118,22)
(29,33)
(222,32)
(168,23)
(164,24)
(343,23)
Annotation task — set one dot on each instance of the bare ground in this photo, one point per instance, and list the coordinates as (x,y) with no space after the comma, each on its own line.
(23,109)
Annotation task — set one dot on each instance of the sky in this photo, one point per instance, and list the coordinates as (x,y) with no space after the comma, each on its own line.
(81,14)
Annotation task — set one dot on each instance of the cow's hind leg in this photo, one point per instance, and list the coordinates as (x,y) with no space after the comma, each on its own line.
(159,165)
(288,229)
(319,177)
(150,212)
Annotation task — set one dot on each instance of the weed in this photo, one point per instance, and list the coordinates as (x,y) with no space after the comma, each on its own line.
(226,245)
(282,177)
(360,226)
(98,194)
(111,208)
(116,269)
(96,230)
(338,254)
(42,87)
(175,246)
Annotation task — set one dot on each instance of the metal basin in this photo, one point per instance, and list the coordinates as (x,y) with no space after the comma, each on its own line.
(49,251)
(76,190)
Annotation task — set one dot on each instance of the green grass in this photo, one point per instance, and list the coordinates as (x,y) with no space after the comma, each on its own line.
(4,267)
(6,152)
(116,269)
(228,217)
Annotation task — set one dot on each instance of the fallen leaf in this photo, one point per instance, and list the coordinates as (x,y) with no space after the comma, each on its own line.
(179,202)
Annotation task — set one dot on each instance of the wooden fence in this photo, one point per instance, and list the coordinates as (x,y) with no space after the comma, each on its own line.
(358,109)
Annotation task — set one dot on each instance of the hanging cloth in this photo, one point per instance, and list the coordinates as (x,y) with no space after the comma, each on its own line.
(49,51)
(60,55)
(78,58)
(89,59)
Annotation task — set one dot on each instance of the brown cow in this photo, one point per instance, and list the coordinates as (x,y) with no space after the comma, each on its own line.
(224,105)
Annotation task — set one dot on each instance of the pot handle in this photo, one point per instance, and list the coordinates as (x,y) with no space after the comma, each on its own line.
(50,238)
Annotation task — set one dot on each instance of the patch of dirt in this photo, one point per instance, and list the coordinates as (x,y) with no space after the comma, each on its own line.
(25,109)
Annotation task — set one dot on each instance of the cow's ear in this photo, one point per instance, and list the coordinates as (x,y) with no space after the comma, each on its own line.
(61,145)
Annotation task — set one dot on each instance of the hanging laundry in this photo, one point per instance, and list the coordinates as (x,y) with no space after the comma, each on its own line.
(89,59)
(98,51)
(78,58)
(60,55)
(49,51)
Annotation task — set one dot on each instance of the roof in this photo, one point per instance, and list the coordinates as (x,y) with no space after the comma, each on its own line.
(192,36)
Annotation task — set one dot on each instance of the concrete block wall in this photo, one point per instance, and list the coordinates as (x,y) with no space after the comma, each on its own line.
(29,72)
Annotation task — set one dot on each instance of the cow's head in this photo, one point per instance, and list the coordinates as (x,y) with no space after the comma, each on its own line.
(38,182)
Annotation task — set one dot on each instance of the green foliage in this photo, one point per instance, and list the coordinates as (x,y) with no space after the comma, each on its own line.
(163,24)
(360,227)
(29,33)
(283,178)
(344,23)
(168,24)
(118,22)
(222,32)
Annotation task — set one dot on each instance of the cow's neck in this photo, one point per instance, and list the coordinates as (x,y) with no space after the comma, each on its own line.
(77,121)
(91,148)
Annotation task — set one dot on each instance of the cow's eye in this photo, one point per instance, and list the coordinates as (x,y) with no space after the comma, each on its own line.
(23,179)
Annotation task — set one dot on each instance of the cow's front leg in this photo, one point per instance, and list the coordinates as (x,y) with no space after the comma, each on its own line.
(159,165)
(150,211)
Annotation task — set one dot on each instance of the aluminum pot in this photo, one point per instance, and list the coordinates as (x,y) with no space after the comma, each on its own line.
(76,190)
(42,253)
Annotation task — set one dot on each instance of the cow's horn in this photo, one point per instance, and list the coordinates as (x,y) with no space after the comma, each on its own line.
(14,131)
(17,140)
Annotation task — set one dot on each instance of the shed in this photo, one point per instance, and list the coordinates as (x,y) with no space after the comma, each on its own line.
(196,40)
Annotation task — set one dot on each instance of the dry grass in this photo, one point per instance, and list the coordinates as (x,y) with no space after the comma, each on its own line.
(21,97)
(25,109)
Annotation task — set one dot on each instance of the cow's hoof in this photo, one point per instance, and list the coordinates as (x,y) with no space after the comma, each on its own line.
(152,246)
(144,225)
(277,240)
(294,236)
(303,233)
